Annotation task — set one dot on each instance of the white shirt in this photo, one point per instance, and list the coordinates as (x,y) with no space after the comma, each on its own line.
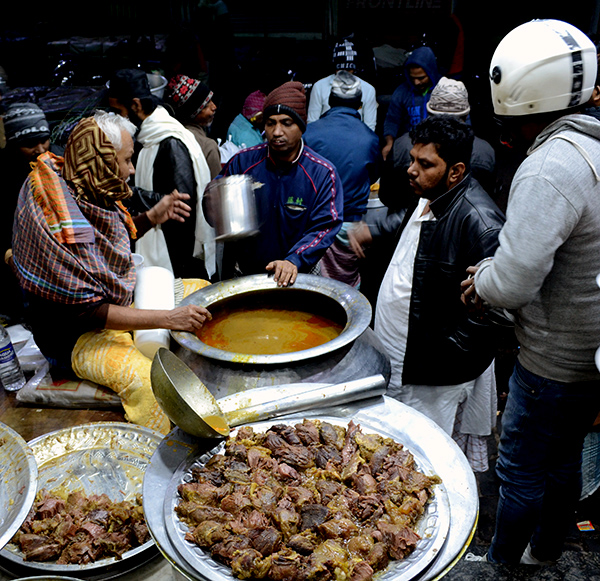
(319,101)
(393,301)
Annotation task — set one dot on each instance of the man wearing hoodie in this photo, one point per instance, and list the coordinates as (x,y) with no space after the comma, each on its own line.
(542,76)
(408,106)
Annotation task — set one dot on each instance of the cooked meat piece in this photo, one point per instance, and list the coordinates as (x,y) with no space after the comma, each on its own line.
(287,565)
(342,528)
(313,515)
(94,530)
(361,545)
(245,433)
(308,432)
(99,516)
(248,563)
(237,476)
(330,436)
(328,490)
(49,507)
(368,444)
(400,540)
(274,441)
(114,544)
(288,521)
(368,507)
(328,555)
(300,495)
(361,571)
(236,502)
(208,533)
(287,433)
(326,454)
(236,450)
(351,465)
(364,483)
(247,522)
(350,445)
(298,456)
(266,541)
(287,472)
(196,513)
(259,457)
(201,493)
(38,548)
(378,557)
(226,550)
(265,498)
(82,552)
(377,459)
(304,542)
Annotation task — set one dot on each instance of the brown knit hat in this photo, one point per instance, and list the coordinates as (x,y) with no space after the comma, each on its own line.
(288,99)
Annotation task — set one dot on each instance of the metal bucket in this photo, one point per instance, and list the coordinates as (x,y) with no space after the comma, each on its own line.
(229,206)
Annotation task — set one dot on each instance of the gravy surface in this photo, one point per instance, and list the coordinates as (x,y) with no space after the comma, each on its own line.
(267,331)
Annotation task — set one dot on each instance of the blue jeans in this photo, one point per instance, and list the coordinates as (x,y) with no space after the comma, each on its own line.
(539,464)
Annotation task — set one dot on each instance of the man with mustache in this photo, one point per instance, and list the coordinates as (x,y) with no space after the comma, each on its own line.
(300,204)
(437,348)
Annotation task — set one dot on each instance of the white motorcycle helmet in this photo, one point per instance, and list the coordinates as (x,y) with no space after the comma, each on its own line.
(542,66)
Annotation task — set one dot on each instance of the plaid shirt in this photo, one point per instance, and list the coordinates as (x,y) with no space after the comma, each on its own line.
(69,251)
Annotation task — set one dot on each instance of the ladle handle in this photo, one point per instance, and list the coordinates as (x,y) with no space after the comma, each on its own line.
(320,397)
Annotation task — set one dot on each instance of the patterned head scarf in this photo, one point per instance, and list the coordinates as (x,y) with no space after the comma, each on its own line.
(91,166)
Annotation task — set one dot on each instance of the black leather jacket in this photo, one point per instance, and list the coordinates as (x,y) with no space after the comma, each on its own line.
(446,345)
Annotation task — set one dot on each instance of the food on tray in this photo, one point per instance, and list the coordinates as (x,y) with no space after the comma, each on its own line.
(79,529)
(267,331)
(310,501)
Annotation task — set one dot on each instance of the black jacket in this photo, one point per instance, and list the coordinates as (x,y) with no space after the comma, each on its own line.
(446,345)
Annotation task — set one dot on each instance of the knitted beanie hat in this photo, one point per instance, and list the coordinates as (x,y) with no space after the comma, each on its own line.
(449,97)
(345,55)
(188,96)
(346,86)
(25,122)
(253,104)
(288,99)
(128,84)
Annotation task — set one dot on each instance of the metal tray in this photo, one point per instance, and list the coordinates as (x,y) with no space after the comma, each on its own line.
(96,458)
(18,471)
(432,527)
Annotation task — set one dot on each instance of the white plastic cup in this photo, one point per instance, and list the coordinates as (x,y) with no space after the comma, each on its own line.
(138,260)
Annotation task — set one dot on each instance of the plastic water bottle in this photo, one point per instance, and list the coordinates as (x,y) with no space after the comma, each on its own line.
(11,374)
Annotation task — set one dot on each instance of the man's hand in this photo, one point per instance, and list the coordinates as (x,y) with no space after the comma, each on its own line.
(188,318)
(171,207)
(469,295)
(285,272)
(389,142)
(358,237)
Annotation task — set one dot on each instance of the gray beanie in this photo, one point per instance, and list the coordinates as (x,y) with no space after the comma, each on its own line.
(24,122)
(449,97)
(346,86)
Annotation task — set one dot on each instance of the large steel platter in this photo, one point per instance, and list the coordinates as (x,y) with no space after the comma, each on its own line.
(432,527)
(97,458)
(422,437)
(18,470)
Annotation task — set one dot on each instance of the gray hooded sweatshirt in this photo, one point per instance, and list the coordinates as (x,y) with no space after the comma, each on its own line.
(549,255)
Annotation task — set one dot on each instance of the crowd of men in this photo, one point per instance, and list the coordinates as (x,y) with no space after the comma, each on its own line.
(456,272)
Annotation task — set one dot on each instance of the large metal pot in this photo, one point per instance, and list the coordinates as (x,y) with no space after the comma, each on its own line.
(229,206)
(354,354)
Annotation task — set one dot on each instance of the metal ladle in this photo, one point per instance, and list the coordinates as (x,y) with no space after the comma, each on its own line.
(190,405)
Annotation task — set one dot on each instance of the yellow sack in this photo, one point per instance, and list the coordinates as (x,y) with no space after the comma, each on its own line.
(110,358)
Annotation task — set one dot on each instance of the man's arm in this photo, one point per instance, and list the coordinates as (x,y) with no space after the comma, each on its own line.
(315,103)
(187,318)
(539,221)
(369,108)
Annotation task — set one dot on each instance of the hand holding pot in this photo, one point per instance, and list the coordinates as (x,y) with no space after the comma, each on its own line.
(285,272)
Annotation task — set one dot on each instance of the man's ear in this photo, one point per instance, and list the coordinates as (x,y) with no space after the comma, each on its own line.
(136,106)
(595,99)
(456,173)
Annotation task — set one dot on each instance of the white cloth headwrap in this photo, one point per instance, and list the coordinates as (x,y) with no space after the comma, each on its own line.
(155,128)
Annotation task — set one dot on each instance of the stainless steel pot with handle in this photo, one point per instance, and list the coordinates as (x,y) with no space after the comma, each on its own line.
(229,206)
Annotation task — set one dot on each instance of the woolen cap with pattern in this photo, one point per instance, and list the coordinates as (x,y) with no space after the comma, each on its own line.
(288,99)
(253,104)
(345,55)
(25,122)
(188,96)
(449,97)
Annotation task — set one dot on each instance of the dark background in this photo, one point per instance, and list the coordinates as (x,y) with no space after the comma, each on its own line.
(238,46)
